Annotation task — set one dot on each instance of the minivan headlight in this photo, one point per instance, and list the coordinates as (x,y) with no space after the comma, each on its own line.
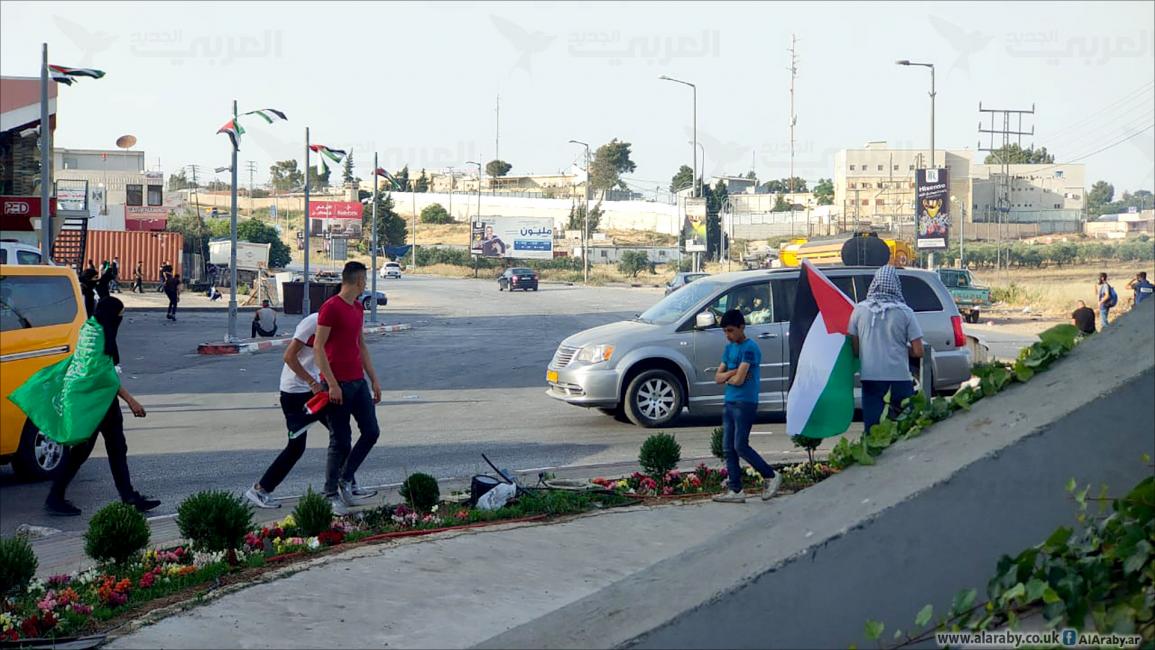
(595,353)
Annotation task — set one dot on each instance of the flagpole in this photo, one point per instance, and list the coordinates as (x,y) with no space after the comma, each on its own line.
(373,270)
(45,162)
(233,234)
(305,311)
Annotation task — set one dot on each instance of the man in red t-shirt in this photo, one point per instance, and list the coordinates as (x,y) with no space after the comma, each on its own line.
(345,365)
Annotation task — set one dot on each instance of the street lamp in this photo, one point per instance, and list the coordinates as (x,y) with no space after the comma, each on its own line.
(476,219)
(694,150)
(585,217)
(906,62)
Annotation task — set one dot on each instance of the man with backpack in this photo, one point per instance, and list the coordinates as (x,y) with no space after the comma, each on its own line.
(1107,300)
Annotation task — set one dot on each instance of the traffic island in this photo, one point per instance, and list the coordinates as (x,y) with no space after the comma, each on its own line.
(251,346)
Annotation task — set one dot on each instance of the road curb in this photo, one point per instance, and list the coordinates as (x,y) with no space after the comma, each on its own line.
(251,347)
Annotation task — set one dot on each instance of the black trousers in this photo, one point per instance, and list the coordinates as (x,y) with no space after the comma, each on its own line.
(112,428)
(293,406)
(257,330)
(173,299)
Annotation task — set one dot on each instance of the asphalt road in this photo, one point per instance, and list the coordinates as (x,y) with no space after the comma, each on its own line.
(468,378)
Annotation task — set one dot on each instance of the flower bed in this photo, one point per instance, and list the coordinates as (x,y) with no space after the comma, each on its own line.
(93,600)
(706,481)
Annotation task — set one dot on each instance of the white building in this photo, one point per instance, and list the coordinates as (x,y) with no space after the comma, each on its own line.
(119,192)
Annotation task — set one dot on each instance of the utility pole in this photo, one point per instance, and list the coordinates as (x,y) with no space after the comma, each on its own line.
(233,237)
(496,140)
(46,163)
(251,165)
(194,170)
(793,118)
(1003,193)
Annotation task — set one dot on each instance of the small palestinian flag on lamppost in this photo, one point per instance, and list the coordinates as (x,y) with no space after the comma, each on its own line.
(336,155)
(65,75)
(269,115)
(389,177)
(234,130)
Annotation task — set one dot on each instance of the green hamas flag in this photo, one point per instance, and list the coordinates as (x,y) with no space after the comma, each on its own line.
(68,399)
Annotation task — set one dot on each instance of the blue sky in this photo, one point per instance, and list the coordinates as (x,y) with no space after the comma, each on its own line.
(418,82)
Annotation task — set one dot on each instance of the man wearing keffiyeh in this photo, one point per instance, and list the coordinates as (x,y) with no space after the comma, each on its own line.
(885,334)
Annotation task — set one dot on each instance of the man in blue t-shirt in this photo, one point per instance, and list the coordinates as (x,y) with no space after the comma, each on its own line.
(741,372)
(1142,288)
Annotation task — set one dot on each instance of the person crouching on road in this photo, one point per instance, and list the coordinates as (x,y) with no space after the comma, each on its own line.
(88,384)
(300,380)
(741,372)
(264,321)
(885,335)
(345,364)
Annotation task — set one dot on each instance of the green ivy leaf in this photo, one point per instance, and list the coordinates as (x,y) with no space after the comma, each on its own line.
(1018,591)
(1050,597)
(874,629)
(1035,589)
(1023,372)
(1138,559)
(924,616)
(897,634)
(861,455)
(963,601)
(1081,497)
(1071,485)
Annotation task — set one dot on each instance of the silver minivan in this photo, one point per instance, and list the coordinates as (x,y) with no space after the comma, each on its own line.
(654,366)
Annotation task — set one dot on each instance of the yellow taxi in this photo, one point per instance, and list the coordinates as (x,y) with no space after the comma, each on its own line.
(41,312)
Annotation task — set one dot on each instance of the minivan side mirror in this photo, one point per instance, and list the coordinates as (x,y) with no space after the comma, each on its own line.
(705,320)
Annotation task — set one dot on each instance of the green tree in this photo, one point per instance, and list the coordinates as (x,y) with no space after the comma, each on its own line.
(422,183)
(179,181)
(259,232)
(1101,194)
(391,229)
(682,179)
(218,186)
(781,204)
(285,176)
(781,186)
(751,176)
(347,170)
(824,191)
(403,179)
(320,180)
(497,168)
(1013,154)
(577,216)
(435,213)
(611,160)
(716,198)
(634,262)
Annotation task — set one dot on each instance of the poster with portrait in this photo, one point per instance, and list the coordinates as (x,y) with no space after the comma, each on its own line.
(513,237)
(694,228)
(932,209)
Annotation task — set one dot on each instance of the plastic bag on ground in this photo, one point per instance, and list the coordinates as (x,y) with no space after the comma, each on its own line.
(497,497)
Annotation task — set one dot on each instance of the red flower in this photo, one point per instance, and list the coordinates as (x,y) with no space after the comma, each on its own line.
(31,626)
(331,537)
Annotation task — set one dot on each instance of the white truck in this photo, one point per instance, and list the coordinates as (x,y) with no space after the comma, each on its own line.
(250,256)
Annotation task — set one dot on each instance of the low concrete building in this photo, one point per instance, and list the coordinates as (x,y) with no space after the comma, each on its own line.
(122,194)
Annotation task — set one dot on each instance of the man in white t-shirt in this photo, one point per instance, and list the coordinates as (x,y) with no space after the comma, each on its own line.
(264,321)
(300,380)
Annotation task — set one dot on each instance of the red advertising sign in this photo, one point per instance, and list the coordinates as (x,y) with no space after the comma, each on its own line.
(16,212)
(144,224)
(335,210)
(146,211)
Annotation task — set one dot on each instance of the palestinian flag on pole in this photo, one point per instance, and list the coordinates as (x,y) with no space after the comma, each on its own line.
(233,129)
(65,75)
(336,155)
(821,399)
(269,115)
(389,177)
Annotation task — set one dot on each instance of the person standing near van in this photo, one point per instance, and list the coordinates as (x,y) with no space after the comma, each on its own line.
(885,335)
(1107,300)
(172,290)
(741,372)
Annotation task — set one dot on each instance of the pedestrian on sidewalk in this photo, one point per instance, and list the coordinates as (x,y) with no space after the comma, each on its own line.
(83,383)
(104,284)
(264,321)
(164,275)
(300,380)
(1142,288)
(885,335)
(114,268)
(1084,319)
(138,278)
(88,279)
(172,290)
(345,364)
(741,372)
(1107,299)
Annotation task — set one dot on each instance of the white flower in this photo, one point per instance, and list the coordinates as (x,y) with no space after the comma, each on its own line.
(313,543)
(435,508)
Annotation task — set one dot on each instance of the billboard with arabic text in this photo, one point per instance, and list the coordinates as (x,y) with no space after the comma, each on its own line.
(524,238)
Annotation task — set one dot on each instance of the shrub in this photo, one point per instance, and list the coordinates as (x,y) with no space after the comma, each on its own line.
(420,491)
(660,453)
(435,213)
(313,514)
(17,564)
(634,262)
(807,443)
(716,444)
(214,520)
(117,533)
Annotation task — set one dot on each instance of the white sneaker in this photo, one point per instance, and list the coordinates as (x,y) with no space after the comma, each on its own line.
(261,499)
(339,508)
(731,497)
(771,486)
(345,493)
(360,492)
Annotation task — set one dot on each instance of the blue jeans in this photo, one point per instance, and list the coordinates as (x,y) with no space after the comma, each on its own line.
(873,393)
(1103,313)
(342,462)
(737,419)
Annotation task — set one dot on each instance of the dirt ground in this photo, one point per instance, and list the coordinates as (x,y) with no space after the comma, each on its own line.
(1053,292)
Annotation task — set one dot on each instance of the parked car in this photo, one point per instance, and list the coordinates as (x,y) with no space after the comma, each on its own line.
(517,278)
(652,367)
(391,270)
(682,279)
(969,296)
(14,252)
(382,299)
(41,311)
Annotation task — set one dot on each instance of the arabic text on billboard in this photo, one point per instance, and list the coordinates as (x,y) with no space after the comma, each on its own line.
(932,208)
(336,218)
(513,237)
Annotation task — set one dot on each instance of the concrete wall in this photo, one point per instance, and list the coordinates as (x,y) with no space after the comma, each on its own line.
(930,519)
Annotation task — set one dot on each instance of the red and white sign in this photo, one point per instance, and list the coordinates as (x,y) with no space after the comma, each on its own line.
(144,224)
(335,210)
(17,212)
(145,212)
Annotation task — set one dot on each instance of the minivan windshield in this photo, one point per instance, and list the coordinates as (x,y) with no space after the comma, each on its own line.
(674,306)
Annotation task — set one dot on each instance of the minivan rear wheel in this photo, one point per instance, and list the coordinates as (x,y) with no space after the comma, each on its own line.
(38,458)
(654,398)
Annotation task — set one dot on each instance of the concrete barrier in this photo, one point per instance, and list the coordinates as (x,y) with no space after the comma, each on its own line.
(931,518)
(264,345)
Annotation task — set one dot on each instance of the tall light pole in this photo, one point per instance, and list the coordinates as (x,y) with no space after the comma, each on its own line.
(45,162)
(233,240)
(478,217)
(695,148)
(906,62)
(586,217)
(305,296)
(373,257)
(701,148)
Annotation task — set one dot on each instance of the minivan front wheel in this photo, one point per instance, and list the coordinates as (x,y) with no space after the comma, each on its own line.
(38,457)
(654,398)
